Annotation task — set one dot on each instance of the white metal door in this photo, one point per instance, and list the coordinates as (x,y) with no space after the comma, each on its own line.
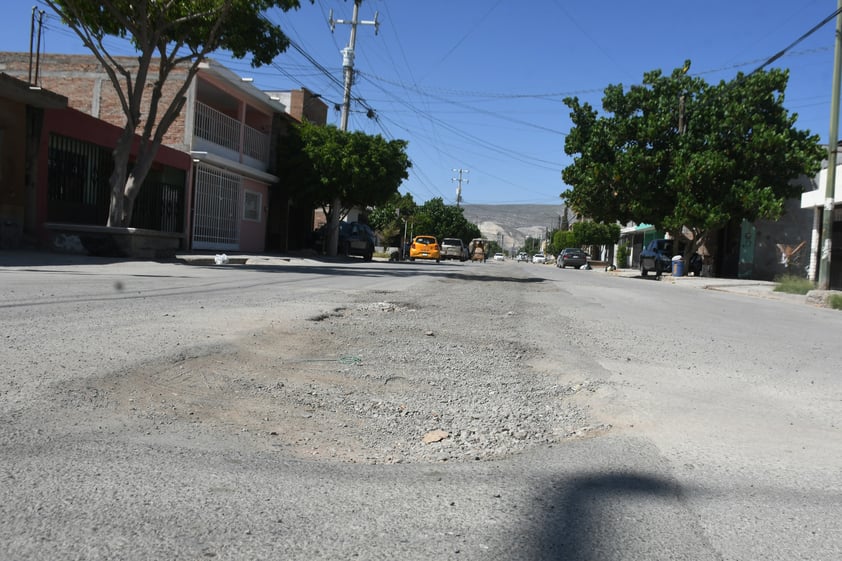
(216,210)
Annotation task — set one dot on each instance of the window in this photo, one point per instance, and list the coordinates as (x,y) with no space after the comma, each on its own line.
(252,204)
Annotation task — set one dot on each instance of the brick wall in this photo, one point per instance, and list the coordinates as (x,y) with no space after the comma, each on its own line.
(83,80)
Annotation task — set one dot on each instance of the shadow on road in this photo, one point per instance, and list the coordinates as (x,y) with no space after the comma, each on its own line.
(619,516)
(342,269)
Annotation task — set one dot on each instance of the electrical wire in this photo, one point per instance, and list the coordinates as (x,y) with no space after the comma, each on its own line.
(782,52)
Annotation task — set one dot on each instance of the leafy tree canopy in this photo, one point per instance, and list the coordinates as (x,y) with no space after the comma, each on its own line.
(167,35)
(686,156)
(531,245)
(360,170)
(444,221)
(389,218)
(594,233)
(563,239)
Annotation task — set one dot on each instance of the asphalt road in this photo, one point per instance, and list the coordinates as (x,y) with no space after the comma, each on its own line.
(722,416)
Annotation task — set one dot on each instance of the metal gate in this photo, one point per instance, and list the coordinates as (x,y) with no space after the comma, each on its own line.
(216,212)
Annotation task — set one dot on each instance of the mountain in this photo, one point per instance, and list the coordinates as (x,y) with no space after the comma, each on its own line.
(514,222)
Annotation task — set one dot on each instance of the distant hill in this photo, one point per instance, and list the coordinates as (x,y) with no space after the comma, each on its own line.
(515,222)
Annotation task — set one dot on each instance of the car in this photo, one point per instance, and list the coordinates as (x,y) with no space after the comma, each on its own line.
(656,257)
(355,238)
(571,257)
(539,258)
(499,257)
(522,256)
(454,248)
(424,247)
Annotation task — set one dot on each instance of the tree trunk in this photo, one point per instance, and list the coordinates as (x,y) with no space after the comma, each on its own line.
(333,228)
(125,186)
(135,179)
(117,215)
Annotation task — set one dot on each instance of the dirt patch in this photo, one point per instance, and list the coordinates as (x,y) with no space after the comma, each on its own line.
(361,382)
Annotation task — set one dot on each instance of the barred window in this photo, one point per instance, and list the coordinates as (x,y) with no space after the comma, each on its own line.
(251,206)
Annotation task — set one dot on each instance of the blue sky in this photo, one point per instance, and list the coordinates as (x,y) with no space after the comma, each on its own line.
(478,84)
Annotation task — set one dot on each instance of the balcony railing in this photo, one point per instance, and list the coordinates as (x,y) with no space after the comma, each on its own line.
(224,131)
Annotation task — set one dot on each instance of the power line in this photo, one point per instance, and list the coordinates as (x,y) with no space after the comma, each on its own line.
(782,52)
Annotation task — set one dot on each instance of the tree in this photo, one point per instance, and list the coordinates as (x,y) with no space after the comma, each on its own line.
(594,233)
(531,245)
(685,156)
(389,219)
(563,239)
(591,233)
(360,170)
(168,35)
(444,221)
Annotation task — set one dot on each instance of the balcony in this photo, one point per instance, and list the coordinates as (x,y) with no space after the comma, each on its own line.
(217,133)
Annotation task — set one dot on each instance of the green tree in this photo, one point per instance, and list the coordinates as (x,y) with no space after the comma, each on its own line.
(360,170)
(167,35)
(531,245)
(444,221)
(686,156)
(594,233)
(389,218)
(551,248)
(563,239)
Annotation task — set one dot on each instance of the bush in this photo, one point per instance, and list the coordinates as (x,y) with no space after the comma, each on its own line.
(835,301)
(623,255)
(792,284)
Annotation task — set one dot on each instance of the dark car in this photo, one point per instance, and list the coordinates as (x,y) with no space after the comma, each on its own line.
(355,238)
(571,257)
(656,257)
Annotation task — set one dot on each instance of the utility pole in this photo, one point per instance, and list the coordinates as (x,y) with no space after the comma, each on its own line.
(832,146)
(348,71)
(459,181)
(34,82)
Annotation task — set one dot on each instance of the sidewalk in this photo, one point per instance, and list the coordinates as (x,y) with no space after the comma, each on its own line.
(748,287)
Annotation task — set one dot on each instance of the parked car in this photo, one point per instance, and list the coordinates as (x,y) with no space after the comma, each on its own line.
(539,258)
(424,247)
(656,257)
(499,257)
(454,248)
(571,257)
(355,238)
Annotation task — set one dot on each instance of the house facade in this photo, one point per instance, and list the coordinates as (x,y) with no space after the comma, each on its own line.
(762,250)
(225,129)
(54,170)
(816,203)
(21,122)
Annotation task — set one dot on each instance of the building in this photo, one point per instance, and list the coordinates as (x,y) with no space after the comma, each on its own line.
(291,221)
(21,121)
(762,250)
(54,168)
(225,127)
(815,202)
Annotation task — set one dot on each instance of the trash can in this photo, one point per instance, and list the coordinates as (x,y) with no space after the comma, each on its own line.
(678,266)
